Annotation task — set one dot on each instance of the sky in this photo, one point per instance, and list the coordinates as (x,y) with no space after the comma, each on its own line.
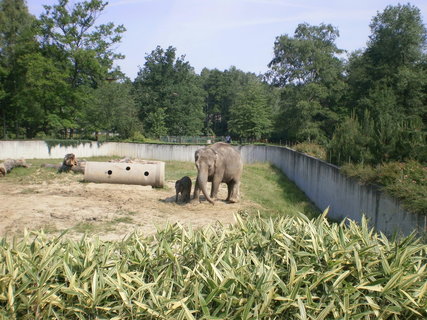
(224,33)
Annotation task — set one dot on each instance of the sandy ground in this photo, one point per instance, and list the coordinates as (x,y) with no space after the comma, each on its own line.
(109,211)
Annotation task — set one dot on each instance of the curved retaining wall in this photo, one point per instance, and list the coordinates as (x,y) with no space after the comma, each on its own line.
(321,181)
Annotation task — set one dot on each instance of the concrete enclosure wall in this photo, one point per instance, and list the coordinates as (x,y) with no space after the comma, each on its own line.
(321,181)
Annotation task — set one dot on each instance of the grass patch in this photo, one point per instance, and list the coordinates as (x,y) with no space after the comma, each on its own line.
(37,174)
(49,228)
(267,186)
(86,228)
(175,170)
(263,184)
(123,220)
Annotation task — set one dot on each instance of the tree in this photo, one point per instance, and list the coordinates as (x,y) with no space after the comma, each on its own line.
(72,34)
(351,141)
(219,97)
(389,80)
(392,64)
(250,115)
(308,69)
(40,97)
(113,110)
(226,91)
(169,95)
(84,51)
(17,39)
(309,56)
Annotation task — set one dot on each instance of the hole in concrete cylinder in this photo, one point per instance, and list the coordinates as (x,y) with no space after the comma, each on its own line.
(109,172)
(146,173)
(127,168)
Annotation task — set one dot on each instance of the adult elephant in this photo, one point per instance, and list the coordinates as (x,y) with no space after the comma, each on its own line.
(218,163)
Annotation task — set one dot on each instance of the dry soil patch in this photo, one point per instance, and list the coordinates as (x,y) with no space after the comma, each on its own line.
(110,211)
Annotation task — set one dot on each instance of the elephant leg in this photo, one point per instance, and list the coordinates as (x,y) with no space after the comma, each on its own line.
(196,192)
(230,190)
(186,196)
(234,192)
(215,187)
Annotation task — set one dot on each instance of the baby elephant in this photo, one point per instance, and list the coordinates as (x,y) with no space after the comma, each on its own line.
(183,186)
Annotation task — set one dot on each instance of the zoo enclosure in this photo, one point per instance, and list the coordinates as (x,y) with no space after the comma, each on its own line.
(321,181)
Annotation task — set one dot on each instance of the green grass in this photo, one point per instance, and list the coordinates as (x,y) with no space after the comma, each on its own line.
(123,220)
(175,170)
(267,186)
(262,184)
(85,228)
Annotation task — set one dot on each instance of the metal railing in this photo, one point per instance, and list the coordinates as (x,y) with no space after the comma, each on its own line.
(192,139)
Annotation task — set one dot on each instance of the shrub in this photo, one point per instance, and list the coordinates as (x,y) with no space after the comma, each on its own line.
(406,181)
(287,268)
(312,149)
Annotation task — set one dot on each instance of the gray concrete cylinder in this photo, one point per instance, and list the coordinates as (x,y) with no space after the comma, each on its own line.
(148,173)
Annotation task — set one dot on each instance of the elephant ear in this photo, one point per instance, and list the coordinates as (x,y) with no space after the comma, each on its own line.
(215,154)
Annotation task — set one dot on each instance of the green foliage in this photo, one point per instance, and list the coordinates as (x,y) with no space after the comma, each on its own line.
(17,39)
(373,142)
(306,66)
(72,30)
(239,97)
(388,84)
(66,143)
(169,96)
(258,269)
(404,181)
(137,137)
(220,94)
(250,115)
(42,103)
(397,33)
(113,109)
(312,149)
(84,52)
(350,143)
(51,63)
(309,56)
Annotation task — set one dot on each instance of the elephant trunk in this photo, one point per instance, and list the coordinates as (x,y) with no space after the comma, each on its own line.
(202,181)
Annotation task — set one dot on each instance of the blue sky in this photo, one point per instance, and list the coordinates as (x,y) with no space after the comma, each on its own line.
(223,33)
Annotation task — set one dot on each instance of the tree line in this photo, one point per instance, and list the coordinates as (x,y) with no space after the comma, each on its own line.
(58,80)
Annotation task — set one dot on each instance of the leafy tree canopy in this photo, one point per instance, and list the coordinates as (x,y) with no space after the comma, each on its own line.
(169,95)
(310,72)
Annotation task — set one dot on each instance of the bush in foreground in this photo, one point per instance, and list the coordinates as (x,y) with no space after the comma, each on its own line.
(283,268)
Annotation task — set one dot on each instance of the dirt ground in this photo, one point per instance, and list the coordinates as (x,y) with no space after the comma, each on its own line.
(109,211)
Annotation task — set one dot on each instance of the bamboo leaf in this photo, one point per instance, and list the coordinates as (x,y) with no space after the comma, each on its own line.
(376,288)
(322,315)
(302,311)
